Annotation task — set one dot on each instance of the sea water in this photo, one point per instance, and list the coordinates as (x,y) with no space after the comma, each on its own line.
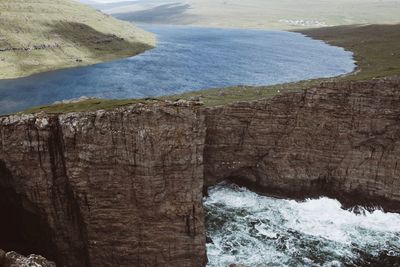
(259,231)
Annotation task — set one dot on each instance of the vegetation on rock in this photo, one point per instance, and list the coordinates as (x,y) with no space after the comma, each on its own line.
(375,49)
(43,35)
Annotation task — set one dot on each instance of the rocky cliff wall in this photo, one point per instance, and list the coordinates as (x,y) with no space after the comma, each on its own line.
(118,188)
(340,140)
(124,187)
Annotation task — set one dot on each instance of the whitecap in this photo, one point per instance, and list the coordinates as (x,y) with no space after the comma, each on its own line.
(254,230)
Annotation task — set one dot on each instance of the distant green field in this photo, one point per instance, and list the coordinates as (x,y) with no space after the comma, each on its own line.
(376,49)
(266,14)
(42,35)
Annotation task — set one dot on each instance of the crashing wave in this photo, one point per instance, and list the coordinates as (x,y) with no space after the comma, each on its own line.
(254,230)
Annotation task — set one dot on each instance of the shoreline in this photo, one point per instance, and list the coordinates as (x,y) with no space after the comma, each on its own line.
(369,66)
(120,55)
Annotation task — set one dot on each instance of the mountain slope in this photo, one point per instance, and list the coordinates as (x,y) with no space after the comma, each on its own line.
(41,35)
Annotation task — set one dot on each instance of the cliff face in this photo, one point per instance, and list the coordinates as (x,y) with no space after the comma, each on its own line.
(124,187)
(340,140)
(120,188)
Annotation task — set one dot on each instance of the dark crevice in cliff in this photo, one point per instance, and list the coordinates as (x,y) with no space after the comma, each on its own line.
(22,228)
(64,198)
(191,223)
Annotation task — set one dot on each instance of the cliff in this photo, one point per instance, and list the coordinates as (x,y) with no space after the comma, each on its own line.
(118,188)
(124,187)
(338,139)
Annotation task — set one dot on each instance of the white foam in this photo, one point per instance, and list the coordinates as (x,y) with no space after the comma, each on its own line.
(254,230)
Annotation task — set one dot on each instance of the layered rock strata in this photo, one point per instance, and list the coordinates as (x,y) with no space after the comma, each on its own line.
(124,187)
(341,140)
(118,188)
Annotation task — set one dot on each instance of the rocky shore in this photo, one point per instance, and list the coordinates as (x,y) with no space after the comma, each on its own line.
(124,187)
(13,259)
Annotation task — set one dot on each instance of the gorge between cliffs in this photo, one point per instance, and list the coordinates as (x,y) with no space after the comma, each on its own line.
(124,187)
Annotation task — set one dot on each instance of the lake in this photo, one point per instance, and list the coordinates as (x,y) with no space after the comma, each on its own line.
(185,59)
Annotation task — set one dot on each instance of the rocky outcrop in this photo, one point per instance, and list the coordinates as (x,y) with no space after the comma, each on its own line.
(340,140)
(13,259)
(118,188)
(124,187)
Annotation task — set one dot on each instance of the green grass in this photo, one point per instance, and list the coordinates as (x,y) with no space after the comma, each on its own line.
(43,35)
(90,105)
(265,14)
(376,49)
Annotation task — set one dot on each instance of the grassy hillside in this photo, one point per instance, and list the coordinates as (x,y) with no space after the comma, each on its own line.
(270,14)
(42,35)
(376,49)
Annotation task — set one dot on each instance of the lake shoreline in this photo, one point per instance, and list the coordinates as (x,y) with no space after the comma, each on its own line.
(186,59)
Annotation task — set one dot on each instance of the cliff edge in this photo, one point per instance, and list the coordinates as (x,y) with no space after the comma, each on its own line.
(124,187)
(340,139)
(117,188)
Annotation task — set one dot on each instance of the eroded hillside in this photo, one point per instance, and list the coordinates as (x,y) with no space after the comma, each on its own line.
(41,35)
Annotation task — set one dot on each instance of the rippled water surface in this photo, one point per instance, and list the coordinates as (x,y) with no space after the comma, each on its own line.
(186,58)
(257,231)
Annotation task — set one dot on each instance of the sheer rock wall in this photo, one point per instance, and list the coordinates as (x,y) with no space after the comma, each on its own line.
(340,140)
(116,188)
(124,187)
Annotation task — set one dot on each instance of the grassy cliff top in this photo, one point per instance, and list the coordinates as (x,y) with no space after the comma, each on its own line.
(42,35)
(375,47)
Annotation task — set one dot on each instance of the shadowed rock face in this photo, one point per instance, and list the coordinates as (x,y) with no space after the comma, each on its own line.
(121,188)
(124,187)
(339,140)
